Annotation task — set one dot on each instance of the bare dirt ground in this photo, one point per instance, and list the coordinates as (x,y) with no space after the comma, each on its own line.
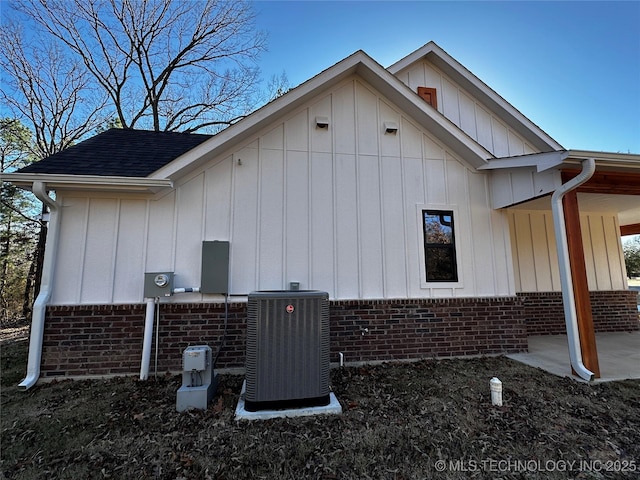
(429,419)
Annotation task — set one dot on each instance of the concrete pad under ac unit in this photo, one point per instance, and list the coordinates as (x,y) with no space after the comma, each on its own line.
(333,408)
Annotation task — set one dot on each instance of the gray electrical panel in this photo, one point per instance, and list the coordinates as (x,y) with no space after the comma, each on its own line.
(215,267)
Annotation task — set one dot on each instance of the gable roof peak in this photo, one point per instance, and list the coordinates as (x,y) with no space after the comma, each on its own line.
(358,63)
(461,75)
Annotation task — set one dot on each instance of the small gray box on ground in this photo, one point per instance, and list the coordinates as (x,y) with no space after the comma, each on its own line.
(196,397)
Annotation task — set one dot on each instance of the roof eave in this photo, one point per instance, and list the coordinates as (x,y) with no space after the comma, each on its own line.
(88,182)
(259,119)
(358,63)
(548,160)
(607,160)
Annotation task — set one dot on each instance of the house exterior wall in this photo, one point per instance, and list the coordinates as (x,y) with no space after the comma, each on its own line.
(535,258)
(470,115)
(522,184)
(107,339)
(85,340)
(613,311)
(335,209)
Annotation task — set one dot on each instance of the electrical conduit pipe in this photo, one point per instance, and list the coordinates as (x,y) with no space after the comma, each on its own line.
(148,330)
(148,337)
(566,281)
(46,283)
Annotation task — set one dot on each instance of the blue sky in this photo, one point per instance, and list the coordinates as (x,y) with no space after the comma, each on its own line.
(573,68)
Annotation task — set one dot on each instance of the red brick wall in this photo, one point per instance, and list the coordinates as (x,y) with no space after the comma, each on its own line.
(107,339)
(92,339)
(407,329)
(613,311)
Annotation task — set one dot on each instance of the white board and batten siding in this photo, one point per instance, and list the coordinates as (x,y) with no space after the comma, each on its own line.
(536,261)
(333,209)
(513,186)
(466,112)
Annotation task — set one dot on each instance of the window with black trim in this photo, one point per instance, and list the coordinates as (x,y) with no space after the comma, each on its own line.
(439,246)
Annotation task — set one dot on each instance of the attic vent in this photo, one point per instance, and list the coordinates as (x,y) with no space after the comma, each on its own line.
(428,94)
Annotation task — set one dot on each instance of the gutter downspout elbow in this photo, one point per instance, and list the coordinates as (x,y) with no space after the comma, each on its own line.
(40,304)
(566,280)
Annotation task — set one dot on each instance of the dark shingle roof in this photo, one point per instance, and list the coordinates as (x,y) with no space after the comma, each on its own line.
(119,152)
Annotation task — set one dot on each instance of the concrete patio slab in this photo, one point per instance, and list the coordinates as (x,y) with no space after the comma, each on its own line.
(618,355)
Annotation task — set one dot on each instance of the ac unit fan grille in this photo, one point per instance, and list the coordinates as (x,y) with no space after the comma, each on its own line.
(287,359)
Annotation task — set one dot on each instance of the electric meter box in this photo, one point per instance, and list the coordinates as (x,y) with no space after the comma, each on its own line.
(158,284)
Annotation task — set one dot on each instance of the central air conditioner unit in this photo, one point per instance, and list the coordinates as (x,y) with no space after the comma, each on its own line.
(287,361)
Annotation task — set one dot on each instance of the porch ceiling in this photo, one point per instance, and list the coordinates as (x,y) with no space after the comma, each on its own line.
(626,206)
(612,191)
(614,187)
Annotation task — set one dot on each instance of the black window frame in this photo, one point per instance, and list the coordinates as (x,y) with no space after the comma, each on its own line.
(431,249)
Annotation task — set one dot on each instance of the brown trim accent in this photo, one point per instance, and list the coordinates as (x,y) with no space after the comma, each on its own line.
(580,284)
(428,94)
(633,229)
(607,182)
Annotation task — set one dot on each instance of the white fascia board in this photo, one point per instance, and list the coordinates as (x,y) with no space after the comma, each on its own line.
(87,182)
(480,90)
(548,160)
(358,63)
(542,161)
(259,119)
(608,159)
(412,58)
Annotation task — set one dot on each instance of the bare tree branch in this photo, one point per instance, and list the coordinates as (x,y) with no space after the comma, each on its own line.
(9,206)
(48,91)
(150,55)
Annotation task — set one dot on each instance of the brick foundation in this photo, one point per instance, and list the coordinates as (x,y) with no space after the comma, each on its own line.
(613,311)
(107,339)
(408,329)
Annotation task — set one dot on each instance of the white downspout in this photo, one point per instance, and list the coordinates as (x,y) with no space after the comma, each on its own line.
(148,331)
(566,281)
(148,337)
(46,283)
